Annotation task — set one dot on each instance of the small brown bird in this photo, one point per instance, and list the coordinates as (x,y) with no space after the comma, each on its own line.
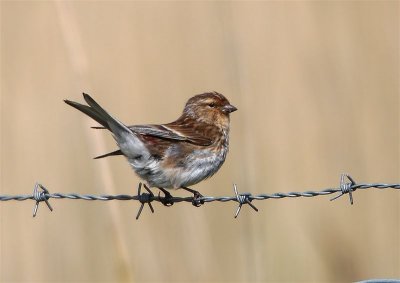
(174,155)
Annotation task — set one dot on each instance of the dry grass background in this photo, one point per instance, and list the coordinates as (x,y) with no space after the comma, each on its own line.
(317,88)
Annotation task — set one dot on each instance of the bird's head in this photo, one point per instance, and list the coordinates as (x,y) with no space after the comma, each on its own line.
(210,108)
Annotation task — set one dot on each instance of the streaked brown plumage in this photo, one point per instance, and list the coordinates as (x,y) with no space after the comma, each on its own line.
(177,154)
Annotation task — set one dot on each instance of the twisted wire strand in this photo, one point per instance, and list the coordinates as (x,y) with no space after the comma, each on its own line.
(324,192)
(40,194)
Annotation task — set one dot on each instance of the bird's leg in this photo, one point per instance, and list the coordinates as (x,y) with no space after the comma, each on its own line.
(167,200)
(196,196)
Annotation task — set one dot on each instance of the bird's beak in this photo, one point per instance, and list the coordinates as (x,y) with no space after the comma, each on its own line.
(229,109)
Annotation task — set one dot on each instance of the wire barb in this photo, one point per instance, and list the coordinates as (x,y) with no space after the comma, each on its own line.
(346,187)
(144,198)
(40,196)
(243,198)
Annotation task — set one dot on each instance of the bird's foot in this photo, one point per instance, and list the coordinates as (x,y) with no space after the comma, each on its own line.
(197,201)
(167,199)
(197,197)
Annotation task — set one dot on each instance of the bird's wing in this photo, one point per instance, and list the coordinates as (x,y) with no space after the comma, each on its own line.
(172,131)
(157,131)
(192,130)
(116,152)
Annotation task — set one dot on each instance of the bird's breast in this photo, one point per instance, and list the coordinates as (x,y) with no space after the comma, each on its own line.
(183,165)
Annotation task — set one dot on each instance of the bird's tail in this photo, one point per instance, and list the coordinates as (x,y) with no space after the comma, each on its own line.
(96,112)
(128,141)
(91,112)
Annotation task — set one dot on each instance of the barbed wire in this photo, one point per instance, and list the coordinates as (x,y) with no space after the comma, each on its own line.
(347,186)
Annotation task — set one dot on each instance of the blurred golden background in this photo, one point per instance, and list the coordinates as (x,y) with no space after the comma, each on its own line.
(317,88)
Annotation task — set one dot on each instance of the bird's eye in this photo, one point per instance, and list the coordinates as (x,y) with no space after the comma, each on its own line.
(212,105)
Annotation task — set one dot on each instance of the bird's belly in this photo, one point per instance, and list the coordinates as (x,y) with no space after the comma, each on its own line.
(174,173)
(197,167)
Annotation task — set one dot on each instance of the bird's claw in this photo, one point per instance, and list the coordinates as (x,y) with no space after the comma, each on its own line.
(167,199)
(197,201)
